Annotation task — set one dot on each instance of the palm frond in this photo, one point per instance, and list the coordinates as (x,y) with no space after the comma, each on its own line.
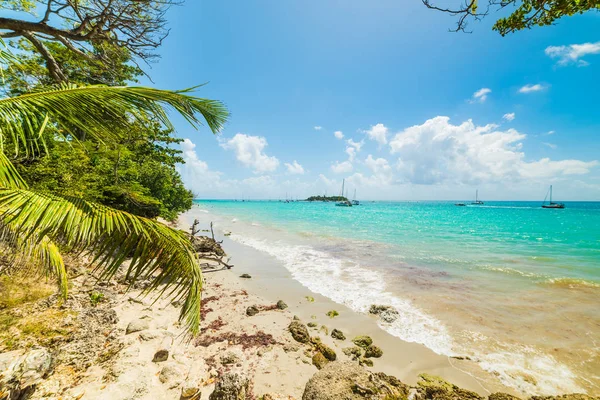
(42,251)
(91,108)
(157,252)
(9,176)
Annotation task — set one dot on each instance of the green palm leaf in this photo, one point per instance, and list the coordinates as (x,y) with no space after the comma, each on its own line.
(157,252)
(88,108)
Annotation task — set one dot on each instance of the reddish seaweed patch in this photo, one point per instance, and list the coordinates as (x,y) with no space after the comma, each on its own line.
(260,339)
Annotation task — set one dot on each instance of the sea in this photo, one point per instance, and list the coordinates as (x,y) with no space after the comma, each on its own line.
(509,285)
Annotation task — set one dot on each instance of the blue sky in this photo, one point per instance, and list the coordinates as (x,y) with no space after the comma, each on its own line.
(394,81)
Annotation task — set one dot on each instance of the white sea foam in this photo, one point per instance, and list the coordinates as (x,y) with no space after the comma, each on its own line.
(356,287)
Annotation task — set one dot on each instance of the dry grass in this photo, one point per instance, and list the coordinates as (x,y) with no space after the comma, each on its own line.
(16,290)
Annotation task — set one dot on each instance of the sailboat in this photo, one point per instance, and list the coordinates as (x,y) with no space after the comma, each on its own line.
(343,203)
(477,201)
(551,204)
(354,201)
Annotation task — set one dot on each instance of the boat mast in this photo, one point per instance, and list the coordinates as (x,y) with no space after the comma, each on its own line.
(476,195)
(550,194)
(343,182)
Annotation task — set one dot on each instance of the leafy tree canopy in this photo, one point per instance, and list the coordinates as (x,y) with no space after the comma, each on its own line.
(525,14)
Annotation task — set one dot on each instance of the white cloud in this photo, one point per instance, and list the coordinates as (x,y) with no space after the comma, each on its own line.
(351,151)
(338,134)
(356,145)
(377,164)
(341,167)
(437,152)
(196,173)
(550,133)
(250,152)
(295,168)
(573,53)
(481,95)
(532,88)
(378,133)
(318,128)
(508,116)
(326,180)
(551,145)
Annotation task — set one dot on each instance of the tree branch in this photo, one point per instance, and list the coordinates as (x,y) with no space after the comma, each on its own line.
(53,67)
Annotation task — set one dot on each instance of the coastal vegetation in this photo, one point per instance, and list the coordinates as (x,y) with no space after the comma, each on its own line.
(327,198)
(526,14)
(86,163)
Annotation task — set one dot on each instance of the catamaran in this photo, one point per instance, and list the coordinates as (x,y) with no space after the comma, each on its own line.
(343,203)
(551,204)
(477,201)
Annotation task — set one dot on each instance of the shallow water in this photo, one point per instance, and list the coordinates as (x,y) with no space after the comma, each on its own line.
(509,284)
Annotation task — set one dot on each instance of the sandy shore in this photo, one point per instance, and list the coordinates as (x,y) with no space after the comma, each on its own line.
(258,347)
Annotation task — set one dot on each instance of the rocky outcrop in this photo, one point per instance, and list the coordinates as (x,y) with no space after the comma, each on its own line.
(251,311)
(299,332)
(20,372)
(386,313)
(373,351)
(362,341)
(230,386)
(349,381)
(436,388)
(281,305)
(337,334)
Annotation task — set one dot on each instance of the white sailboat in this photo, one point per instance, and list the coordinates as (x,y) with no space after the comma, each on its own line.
(551,204)
(477,201)
(343,203)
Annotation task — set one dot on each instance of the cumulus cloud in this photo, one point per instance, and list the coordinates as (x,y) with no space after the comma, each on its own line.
(196,173)
(377,165)
(318,128)
(508,116)
(438,151)
(481,95)
(295,168)
(249,151)
(338,134)
(529,88)
(342,167)
(573,53)
(353,148)
(378,133)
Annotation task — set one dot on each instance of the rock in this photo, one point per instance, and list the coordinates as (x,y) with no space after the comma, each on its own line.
(324,329)
(281,305)
(332,314)
(386,313)
(502,396)
(22,372)
(373,352)
(326,351)
(349,381)
(572,396)
(299,332)
(365,361)
(171,375)
(312,324)
(190,390)
(296,318)
(245,276)
(162,353)
(148,335)
(362,341)
(229,358)
(434,387)
(251,311)
(319,360)
(137,325)
(337,334)
(230,386)
(353,352)
(290,348)
(378,308)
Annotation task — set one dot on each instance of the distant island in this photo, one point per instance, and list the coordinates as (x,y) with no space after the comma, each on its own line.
(327,198)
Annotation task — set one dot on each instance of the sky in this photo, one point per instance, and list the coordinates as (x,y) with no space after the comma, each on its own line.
(381,94)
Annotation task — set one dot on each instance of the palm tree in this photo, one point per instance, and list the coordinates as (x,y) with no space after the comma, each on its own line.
(40,226)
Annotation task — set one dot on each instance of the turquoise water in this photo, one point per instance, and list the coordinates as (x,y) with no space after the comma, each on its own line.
(545,243)
(509,284)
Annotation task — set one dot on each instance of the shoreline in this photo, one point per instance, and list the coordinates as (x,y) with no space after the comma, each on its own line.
(405,360)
